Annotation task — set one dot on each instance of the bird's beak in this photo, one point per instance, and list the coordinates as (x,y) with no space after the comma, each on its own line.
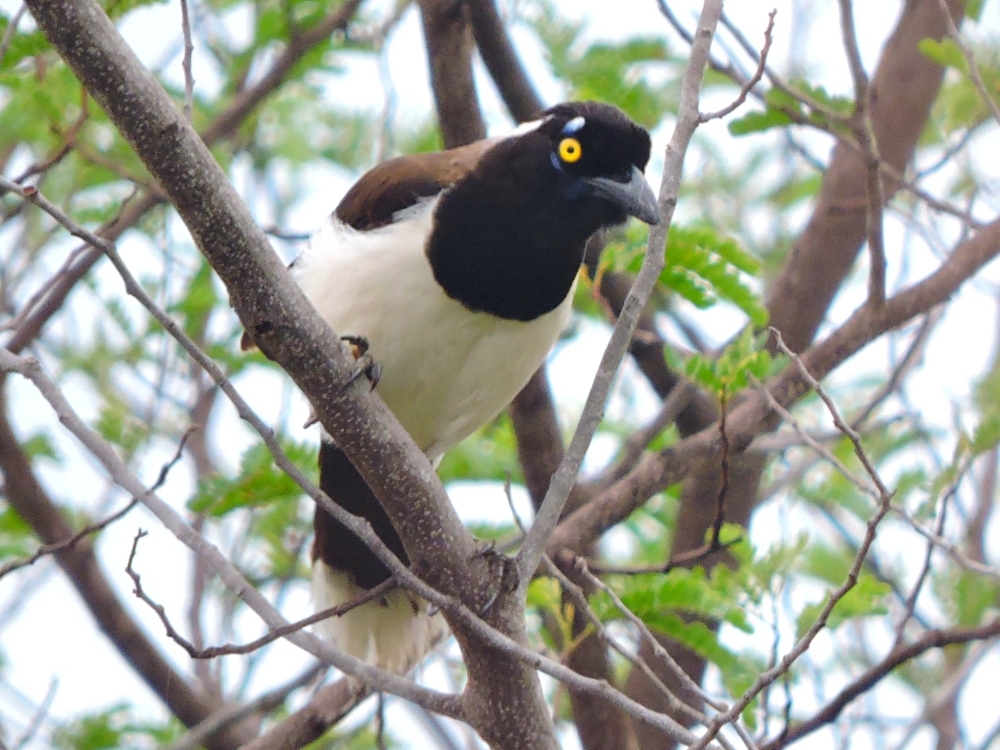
(635,196)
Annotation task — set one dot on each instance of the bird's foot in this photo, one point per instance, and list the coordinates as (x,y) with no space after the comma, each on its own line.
(504,575)
(367,366)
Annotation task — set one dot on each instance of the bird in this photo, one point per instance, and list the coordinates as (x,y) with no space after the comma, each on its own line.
(454,271)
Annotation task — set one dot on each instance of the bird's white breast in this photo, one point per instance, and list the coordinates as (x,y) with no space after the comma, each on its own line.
(445,370)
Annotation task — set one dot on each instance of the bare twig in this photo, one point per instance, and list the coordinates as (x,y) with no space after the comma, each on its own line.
(865,133)
(899,655)
(186,61)
(838,420)
(748,85)
(948,547)
(41,713)
(48,549)
(213,652)
(680,396)
(8,34)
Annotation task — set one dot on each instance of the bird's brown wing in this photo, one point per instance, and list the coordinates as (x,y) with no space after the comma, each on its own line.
(398,184)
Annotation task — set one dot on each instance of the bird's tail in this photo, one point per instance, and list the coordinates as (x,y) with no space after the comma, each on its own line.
(394,631)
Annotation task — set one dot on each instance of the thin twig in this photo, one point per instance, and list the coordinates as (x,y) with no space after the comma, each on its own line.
(680,396)
(186,61)
(562,482)
(213,652)
(38,717)
(947,547)
(910,605)
(865,133)
(48,549)
(8,34)
(747,87)
(821,449)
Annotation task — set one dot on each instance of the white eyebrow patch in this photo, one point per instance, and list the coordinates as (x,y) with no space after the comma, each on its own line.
(573,125)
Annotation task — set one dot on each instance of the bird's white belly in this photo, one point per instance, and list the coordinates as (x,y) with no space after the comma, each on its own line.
(445,370)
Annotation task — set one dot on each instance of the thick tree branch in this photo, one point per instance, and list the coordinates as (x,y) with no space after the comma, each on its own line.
(284,324)
(309,723)
(449,51)
(502,62)
(539,440)
(228,715)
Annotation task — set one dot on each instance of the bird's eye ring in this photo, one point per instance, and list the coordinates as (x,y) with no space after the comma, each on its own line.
(570,150)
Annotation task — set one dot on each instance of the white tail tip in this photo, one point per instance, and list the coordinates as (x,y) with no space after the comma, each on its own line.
(394,632)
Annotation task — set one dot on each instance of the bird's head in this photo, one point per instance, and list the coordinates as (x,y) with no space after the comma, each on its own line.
(599,155)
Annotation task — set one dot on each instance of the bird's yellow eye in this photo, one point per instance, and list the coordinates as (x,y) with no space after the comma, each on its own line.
(570,150)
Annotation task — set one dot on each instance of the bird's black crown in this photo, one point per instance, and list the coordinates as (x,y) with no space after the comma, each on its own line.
(611,143)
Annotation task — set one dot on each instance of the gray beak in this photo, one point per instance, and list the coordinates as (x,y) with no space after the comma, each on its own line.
(635,197)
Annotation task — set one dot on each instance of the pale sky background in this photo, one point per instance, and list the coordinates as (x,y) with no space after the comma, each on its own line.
(52,629)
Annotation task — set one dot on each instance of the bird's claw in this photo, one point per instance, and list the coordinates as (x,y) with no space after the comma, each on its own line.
(504,576)
(367,366)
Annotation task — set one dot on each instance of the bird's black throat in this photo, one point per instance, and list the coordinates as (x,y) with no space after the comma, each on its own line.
(509,242)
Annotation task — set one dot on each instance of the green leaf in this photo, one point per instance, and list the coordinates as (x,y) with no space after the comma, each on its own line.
(945,52)
(742,360)
(488,454)
(40,445)
(865,599)
(756,122)
(258,483)
(702,265)
(545,593)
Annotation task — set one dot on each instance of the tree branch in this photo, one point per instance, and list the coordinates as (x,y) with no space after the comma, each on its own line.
(548,515)
(897,657)
(502,62)
(654,473)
